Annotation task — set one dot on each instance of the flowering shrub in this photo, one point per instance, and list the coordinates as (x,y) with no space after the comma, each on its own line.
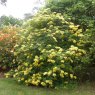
(48,51)
(7,42)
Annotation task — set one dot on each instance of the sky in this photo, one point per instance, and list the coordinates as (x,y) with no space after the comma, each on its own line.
(17,8)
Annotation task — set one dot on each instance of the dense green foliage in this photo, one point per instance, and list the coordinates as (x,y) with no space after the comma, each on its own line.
(6,21)
(81,12)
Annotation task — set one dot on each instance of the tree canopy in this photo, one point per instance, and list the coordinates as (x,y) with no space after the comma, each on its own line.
(81,12)
(3,1)
(9,20)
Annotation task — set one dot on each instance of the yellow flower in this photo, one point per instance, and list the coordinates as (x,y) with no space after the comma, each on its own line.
(22,78)
(65,58)
(71,76)
(62,72)
(75,28)
(26,64)
(14,75)
(51,61)
(33,82)
(55,69)
(29,80)
(61,75)
(36,60)
(80,35)
(54,39)
(62,61)
(53,54)
(25,72)
(73,47)
(60,50)
(54,75)
(45,73)
(49,82)
(7,75)
(43,83)
(72,26)
(75,77)
(26,81)
(65,73)
(79,54)
(74,41)
(49,73)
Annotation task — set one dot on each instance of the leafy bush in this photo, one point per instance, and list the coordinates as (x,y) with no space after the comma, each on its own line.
(89,59)
(49,51)
(7,41)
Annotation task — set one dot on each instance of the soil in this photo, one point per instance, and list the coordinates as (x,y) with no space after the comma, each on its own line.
(1,75)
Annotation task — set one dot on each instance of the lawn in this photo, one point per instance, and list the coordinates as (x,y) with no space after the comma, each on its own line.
(11,87)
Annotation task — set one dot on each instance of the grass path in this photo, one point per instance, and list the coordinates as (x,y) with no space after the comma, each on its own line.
(11,87)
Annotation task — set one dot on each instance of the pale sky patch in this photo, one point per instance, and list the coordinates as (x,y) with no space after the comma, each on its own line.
(18,8)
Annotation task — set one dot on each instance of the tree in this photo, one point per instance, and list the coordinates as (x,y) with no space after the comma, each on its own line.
(28,16)
(3,2)
(81,12)
(9,20)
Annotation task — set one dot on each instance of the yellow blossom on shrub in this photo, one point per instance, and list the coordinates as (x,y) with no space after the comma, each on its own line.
(71,76)
(43,83)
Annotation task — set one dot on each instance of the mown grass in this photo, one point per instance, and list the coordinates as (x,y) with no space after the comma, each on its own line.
(11,87)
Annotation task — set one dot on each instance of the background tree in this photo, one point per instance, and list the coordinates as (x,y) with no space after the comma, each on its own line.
(9,20)
(81,12)
(3,2)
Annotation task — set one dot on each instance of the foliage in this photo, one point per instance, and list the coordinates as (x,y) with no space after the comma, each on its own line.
(7,41)
(5,21)
(49,51)
(28,16)
(89,45)
(81,12)
(3,2)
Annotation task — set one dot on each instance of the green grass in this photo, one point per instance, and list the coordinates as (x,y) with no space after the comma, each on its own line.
(11,87)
